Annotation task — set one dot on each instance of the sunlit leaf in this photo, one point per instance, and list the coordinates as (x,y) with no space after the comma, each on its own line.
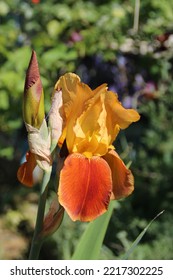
(91,241)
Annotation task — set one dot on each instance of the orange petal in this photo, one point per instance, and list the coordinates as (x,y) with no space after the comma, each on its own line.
(25,171)
(85,187)
(123,181)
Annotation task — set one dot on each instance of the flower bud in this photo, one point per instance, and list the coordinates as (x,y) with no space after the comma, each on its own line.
(33,105)
(53,219)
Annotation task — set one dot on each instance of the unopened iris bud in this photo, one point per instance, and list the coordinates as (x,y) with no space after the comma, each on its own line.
(33,105)
(53,219)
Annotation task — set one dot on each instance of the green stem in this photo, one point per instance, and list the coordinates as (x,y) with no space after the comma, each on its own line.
(36,241)
(136,16)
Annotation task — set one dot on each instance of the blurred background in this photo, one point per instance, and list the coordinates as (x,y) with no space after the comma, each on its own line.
(129,46)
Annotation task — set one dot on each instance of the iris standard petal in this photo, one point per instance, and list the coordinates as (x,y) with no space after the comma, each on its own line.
(85,187)
(91,119)
(74,95)
(25,171)
(117,116)
(90,128)
(123,181)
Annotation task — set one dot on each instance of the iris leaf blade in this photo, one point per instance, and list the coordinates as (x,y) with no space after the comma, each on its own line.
(138,239)
(91,241)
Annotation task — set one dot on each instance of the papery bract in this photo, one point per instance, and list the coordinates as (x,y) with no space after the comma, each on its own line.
(55,119)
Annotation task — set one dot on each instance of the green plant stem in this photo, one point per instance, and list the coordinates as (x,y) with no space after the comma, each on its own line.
(36,241)
(136,16)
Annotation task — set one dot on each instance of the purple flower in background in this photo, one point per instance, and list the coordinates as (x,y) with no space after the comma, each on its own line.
(112,88)
(139,82)
(127,102)
(121,61)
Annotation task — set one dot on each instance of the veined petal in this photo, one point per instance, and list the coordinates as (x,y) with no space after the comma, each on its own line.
(91,119)
(25,171)
(74,95)
(85,187)
(90,128)
(123,181)
(117,116)
(86,145)
(100,89)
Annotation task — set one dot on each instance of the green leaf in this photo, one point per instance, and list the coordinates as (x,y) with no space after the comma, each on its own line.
(91,241)
(138,239)
(4,100)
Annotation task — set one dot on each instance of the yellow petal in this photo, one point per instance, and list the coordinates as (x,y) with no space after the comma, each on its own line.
(74,95)
(117,116)
(91,119)
(90,128)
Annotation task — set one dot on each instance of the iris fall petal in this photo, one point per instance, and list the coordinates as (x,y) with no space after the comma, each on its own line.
(123,181)
(85,187)
(25,171)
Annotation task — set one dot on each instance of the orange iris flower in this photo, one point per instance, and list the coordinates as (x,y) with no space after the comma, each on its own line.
(93,172)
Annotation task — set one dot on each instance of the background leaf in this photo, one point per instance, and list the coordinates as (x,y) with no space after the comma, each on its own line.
(138,239)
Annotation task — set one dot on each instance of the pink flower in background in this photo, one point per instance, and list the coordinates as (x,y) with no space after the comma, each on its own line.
(35,1)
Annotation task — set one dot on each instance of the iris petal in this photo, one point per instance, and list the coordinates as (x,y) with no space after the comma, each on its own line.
(85,187)
(123,181)
(91,119)
(117,116)
(25,171)
(74,94)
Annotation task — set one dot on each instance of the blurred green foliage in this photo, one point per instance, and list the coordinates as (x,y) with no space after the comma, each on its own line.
(66,35)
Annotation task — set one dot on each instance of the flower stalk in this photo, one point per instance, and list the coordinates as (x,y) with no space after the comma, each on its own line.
(37,241)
